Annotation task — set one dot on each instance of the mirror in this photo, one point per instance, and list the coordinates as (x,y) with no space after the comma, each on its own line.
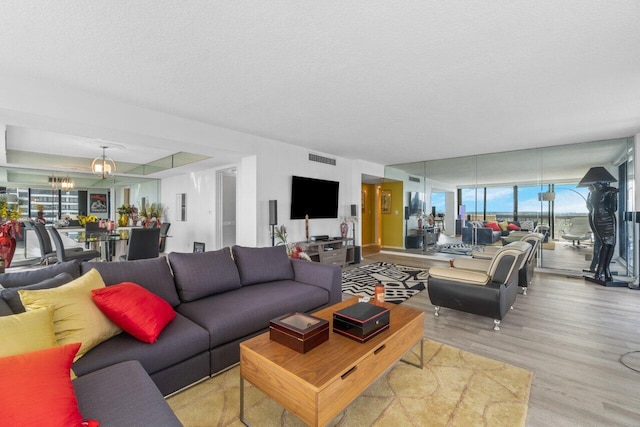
(538,185)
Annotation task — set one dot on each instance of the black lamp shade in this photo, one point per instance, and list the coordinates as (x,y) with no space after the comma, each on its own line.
(596,174)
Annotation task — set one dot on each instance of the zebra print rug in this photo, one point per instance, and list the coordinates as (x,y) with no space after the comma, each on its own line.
(400,282)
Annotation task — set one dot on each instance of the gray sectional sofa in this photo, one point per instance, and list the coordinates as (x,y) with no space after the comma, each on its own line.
(221,298)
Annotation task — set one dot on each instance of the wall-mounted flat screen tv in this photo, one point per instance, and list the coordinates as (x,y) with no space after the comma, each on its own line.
(416,203)
(317,198)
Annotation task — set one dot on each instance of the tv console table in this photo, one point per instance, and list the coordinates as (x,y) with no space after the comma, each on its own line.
(336,251)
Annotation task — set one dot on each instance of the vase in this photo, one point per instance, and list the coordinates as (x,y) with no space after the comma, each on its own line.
(7,248)
(344,229)
(123,220)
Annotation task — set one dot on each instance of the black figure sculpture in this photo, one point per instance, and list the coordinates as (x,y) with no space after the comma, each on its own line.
(603,204)
(597,243)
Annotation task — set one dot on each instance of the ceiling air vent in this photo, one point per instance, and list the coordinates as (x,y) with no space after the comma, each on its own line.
(321,159)
(414,179)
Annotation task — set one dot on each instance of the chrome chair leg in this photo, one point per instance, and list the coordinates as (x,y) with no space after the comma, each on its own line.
(496,325)
(524,290)
(437,312)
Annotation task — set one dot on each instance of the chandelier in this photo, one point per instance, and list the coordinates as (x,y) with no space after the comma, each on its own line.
(102,166)
(66,184)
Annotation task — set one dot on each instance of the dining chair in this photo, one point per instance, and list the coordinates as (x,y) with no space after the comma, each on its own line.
(164,229)
(44,241)
(63,254)
(143,243)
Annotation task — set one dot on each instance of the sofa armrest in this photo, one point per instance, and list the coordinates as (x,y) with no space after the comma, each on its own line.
(325,276)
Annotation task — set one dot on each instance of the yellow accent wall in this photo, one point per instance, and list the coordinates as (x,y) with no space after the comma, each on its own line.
(368,195)
(392,223)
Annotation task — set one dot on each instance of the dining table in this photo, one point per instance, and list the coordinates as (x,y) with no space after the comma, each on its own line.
(106,241)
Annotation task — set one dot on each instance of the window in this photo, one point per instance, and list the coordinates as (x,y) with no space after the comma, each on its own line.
(499,203)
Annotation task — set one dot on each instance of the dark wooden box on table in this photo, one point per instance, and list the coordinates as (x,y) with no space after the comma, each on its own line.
(361,321)
(298,331)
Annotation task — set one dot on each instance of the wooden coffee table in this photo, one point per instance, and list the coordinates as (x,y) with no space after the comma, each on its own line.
(318,385)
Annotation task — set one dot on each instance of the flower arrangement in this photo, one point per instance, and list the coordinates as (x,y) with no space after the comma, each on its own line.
(83,219)
(152,213)
(294,251)
(124,209)
(9,216)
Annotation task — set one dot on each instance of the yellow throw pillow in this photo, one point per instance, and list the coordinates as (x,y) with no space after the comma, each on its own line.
(27,332)
(75,317)
(504,225)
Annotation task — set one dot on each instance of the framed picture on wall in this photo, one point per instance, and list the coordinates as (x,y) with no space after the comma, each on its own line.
(198,247)
(386,202)
(97,203)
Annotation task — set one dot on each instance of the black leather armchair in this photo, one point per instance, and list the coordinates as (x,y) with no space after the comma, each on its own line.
(489,293)
(525,274)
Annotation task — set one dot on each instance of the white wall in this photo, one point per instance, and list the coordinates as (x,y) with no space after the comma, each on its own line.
(200,188)
(260,178)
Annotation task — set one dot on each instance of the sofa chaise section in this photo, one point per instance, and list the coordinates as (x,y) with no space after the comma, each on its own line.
(123,395)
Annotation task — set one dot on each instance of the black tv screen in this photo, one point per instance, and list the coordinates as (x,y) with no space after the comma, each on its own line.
(317,198)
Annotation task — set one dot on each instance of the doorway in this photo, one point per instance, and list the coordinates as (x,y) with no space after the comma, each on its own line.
(226,212)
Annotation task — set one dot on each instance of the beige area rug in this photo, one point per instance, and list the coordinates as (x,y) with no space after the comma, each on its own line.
(455,388)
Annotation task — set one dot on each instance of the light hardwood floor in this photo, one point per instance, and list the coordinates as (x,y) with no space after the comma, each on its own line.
(570,333)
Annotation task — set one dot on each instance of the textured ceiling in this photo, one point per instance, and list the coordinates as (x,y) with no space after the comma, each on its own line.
(385,81)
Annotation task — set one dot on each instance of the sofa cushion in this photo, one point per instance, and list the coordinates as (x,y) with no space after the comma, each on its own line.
(38,388)
(181,340)
(503,226)
(152,274)
(493,225)
(123,395)
(26,332)
(198,275)
(238,313)
(22,278)
(513,227)
(75,317)
(12,297)
(261,265)
(136,310)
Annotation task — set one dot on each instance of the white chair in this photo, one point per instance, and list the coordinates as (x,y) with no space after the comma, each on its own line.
(579,230)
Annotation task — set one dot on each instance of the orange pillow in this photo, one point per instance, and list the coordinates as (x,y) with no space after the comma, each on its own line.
(513,227)
(38,388)
(493,225)
(136,310)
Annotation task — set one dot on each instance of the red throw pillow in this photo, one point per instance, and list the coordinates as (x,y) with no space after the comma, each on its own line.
(37,388)
(493,225)
(136,310)
(513,227)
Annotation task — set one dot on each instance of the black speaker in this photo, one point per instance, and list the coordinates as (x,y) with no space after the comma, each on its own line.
(433,210)
(353,210)
(406,212)
(273,212)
